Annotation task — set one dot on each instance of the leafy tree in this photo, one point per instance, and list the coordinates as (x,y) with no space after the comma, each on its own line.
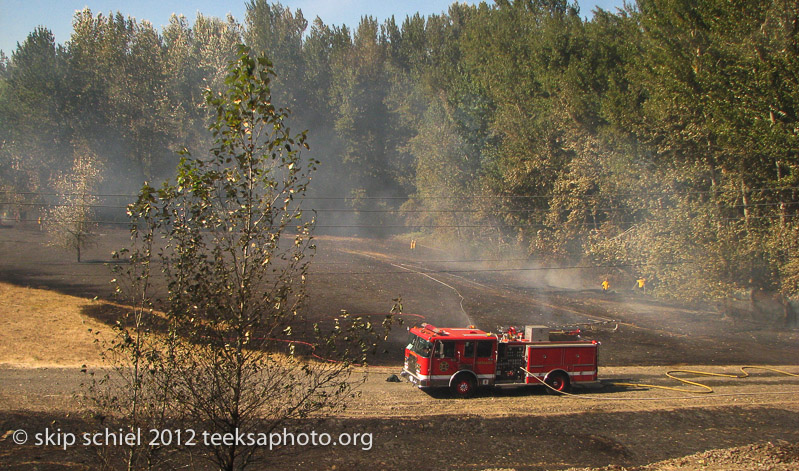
(34,136)
(119,91)
(444,174)
(518,54)
(363,121)
(317,52)
(183,114)
(71,223)
(235,285)
(215,42)
(275,31)
(98,53)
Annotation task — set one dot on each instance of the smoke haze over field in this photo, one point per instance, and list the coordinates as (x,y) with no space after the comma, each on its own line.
(435,126)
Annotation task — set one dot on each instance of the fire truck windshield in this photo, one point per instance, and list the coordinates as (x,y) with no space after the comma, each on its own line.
(419,346)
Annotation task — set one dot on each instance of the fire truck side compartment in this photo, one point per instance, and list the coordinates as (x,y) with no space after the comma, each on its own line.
(510,360)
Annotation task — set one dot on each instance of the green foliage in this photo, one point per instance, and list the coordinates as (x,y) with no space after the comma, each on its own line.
(561,136)
(32,139)
(275,31)
(234,249)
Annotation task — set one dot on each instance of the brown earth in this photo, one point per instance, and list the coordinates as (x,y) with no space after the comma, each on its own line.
(519,429)
(753,420)
(364,275)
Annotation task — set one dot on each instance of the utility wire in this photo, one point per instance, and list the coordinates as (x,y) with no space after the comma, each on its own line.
(404,272)
(519,225)
(350,198)
(400,210)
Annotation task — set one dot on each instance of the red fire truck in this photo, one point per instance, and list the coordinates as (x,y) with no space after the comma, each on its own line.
(465,359)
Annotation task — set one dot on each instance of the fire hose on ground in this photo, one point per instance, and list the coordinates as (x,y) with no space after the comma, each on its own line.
(705,389)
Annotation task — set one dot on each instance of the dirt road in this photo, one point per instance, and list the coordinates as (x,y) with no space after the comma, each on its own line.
(518,429)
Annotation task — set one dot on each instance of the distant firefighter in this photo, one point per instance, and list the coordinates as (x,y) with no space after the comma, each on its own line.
(605,286)
(640,283)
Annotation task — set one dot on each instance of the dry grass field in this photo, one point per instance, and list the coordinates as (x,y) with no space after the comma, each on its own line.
(42,328)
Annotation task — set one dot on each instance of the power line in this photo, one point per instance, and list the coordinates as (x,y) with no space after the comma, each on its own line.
(460,197)
(38,193)
(58,205)
(409,211)
(502,270)
(519,225)
(553,195)
(403,272)
(315,262)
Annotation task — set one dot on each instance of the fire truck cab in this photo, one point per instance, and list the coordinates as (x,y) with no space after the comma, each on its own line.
(464,359)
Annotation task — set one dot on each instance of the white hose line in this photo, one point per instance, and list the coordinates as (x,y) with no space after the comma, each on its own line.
(469,320)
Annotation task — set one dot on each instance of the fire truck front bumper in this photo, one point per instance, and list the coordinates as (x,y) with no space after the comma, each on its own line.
(415,379)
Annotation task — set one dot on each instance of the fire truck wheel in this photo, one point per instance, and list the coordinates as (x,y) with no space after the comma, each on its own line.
(558,382)
(464,386)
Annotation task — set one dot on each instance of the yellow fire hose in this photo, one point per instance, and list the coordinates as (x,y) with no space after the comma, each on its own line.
(705,389)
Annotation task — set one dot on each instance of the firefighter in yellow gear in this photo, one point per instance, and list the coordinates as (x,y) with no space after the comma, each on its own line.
(641,283)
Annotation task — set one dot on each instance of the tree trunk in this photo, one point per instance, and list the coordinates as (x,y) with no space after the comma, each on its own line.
(781,199)
(745,201)
(714,186)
